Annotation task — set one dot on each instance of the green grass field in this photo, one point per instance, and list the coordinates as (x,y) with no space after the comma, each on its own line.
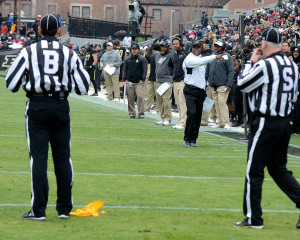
(152,187)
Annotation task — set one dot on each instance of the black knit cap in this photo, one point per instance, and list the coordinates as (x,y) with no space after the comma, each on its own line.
(271,35)
(135,46)
(49,22)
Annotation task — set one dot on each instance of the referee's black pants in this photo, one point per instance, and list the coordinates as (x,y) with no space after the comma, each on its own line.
(48,120)
(194,103)
(268,145)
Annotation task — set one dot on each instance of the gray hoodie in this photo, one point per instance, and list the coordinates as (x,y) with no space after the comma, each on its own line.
(164,67)
(112,57)
(220,73)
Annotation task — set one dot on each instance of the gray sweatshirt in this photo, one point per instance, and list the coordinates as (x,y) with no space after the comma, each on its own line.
(114,58)
(164,67)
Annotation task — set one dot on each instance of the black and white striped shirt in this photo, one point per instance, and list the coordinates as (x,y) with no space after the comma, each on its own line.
(48,66)
(272,84)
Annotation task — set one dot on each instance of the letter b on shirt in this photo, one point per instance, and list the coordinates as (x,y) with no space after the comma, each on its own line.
(51,62)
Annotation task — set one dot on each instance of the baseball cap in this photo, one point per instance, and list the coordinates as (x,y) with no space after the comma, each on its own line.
(219,43)
(165,44)
(135,45)
(109,44)
(271,35)
(49,22)
(203,40)
(197,43)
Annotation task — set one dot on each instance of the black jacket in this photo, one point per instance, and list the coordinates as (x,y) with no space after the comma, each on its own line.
(177,60)
(135,68)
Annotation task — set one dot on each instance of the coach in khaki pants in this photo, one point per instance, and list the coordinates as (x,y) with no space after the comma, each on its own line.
(220,76)
(113,59)
(178,77)
(134,72)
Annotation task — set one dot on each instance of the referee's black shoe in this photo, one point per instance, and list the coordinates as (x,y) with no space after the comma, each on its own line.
(30,216)
(246,223)
(298,223)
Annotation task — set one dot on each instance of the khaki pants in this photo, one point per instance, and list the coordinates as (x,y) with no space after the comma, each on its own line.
(180,101)
(164,102)
(137,89)
(150,93)
(212,113)
(112,84)
(220,99)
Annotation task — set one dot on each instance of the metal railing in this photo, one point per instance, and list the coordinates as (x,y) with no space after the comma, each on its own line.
(90,28)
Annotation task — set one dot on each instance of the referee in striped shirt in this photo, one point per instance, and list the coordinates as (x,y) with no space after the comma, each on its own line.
(272,86)
(48,72)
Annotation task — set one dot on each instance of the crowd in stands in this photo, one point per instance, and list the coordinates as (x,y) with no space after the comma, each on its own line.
(14,37)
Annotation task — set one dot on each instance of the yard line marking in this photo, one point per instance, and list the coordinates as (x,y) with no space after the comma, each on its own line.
(157,208)
(212,142)
(147,176)
(154,155)
(141,155)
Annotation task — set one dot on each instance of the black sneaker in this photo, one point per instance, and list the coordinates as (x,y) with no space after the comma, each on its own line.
(298,223)
(141,117)
(186,144)
(94,94)
(30,216)
(245,223)
(131,116)
(63,217)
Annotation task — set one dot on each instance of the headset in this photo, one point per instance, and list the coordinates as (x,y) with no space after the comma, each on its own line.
(179,39)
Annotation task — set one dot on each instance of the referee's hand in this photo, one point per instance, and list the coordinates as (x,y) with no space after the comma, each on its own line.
(256,55)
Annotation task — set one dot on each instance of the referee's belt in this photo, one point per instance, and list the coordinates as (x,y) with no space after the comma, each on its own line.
(61,95)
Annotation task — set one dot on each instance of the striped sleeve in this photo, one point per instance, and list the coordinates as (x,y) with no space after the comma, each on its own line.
(79,75)
(252,76)
(296,84)
(14,77)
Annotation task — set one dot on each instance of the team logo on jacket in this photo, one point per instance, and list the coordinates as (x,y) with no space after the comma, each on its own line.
(137,61)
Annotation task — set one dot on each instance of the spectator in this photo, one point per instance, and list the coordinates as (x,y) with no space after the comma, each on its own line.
(23,29)
(68,21)
(4,28)
(10,21)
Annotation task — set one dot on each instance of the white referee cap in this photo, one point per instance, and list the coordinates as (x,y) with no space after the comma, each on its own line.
(49,22)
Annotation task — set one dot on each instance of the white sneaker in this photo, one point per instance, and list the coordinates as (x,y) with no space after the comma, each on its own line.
(215,126)
(175,126)
(180,127)
(154,112)
(227,126)
(211,120)
(159,123)
(106,100)
(166,123)
(116,100)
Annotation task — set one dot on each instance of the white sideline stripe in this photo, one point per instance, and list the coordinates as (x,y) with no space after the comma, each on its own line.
(213,134)
(156,208)
(147,176)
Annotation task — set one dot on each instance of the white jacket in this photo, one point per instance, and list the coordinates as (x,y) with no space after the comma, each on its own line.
(194,69)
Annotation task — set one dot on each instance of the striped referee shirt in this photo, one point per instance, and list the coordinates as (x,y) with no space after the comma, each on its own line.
(272,84)
(48,66)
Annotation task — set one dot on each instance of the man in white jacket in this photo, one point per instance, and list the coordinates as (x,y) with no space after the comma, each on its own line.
(194,91)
